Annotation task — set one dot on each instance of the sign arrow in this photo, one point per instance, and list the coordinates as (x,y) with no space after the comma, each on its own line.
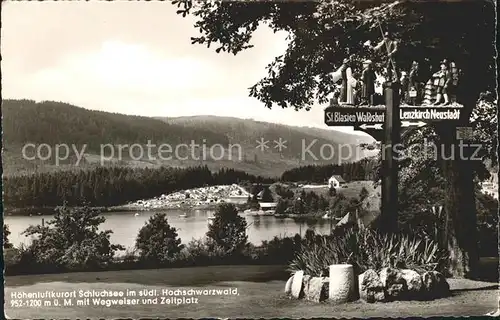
(347,116)
(377,126)
(408,124)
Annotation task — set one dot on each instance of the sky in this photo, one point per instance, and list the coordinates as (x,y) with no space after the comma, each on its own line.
(134,58)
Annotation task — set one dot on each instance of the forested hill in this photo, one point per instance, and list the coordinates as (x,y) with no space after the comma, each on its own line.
(26,121)
(248,130)
(328,146)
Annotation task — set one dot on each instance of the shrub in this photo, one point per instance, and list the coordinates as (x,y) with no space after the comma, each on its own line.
(157,242)
(70,241)
(202,252)
(279,250)
(284,192)
(6,233)
(11,256)
(298,207)
(332,192)
(281,206)
(366,249)
(487,223)
(129,259)
(228,230)
(363,194)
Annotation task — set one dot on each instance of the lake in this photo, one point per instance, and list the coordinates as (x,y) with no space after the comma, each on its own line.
(125,226)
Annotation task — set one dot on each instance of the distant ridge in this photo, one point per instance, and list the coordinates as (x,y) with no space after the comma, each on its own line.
(27,121)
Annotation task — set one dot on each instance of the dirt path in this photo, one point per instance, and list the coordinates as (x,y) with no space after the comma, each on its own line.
(258,295)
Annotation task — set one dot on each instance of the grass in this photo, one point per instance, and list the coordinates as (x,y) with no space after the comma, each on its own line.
(351,190)
(260,295)
(172,277)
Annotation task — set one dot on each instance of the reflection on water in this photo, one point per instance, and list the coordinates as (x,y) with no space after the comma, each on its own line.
(190,225)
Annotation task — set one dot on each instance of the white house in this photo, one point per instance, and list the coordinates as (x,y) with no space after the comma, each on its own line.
(335,181)
(267,206)
(237,199)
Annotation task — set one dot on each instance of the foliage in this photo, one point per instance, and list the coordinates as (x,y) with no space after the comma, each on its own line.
(312,203)
(298,207)
(332,192)
(157,241)
(253,203)
(422,181)
(363,194)
(366,249)
(72,240)
(228,229)
(197,252)
(283,192)
(484,121)
(281,206)
(280,250)
(340,205)
(202,252)
(11,256)
(267,195)
(6,233)
(359,170)
(322,34)
(487,223)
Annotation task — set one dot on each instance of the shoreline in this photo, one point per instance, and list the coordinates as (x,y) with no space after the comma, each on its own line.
(201,198)
(46,211)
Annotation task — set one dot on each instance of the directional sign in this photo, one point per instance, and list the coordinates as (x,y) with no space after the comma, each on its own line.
(429,113)
(377,126)
(411,124)
(349,116)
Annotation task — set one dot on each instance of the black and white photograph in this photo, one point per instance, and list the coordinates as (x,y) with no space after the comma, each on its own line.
(249,159)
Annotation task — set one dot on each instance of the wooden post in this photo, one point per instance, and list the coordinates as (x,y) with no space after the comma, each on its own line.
(392,128)
(331,222)
(445,236)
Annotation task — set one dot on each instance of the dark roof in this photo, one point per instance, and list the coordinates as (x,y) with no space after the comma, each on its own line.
(366,217)
(339,178)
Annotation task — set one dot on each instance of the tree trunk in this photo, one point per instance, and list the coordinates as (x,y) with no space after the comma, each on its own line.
(459,206)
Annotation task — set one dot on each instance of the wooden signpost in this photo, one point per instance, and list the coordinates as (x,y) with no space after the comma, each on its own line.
(352,116)
(384,124)
(363,118)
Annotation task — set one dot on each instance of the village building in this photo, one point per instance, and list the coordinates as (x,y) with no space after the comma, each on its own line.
(336,181)
(268,206)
